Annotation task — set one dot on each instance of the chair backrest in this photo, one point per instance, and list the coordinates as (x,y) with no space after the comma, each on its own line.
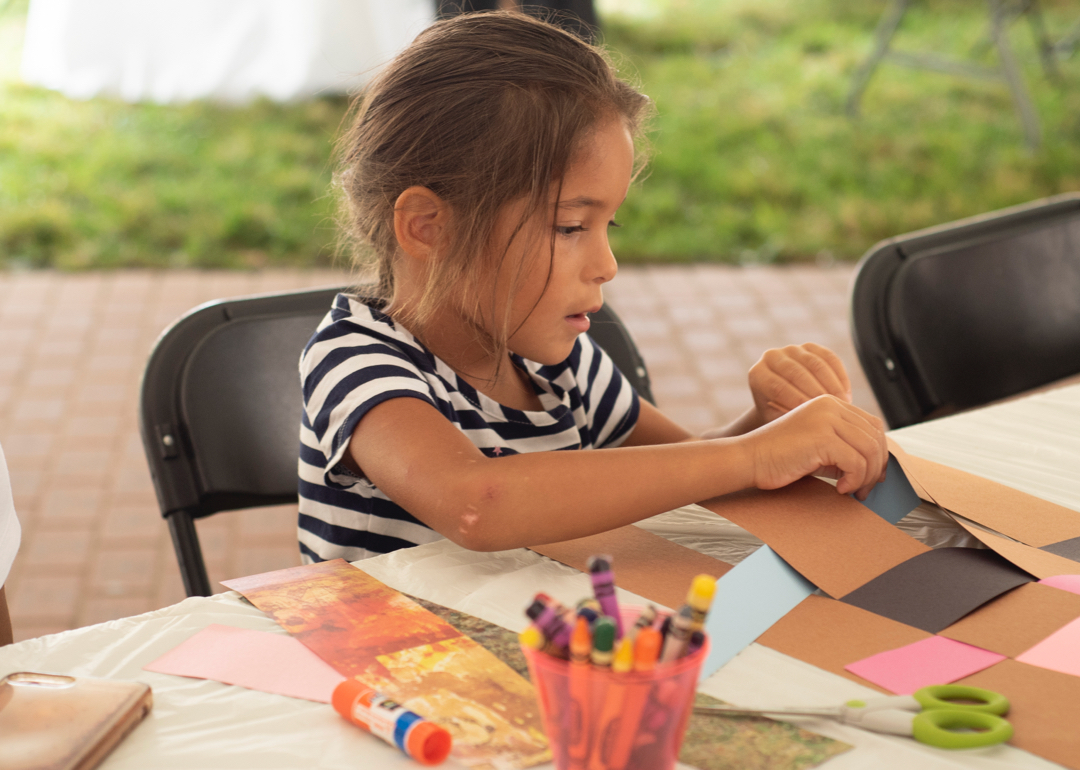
(220,408)
(970,312)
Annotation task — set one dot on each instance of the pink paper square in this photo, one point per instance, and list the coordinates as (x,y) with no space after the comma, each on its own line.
(936,660)
(1069,583)
(1058,652)
(257,660)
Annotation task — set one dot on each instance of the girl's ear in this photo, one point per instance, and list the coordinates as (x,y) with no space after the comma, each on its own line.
(420,222)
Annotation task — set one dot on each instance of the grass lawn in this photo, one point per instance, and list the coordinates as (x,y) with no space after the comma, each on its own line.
(754,157)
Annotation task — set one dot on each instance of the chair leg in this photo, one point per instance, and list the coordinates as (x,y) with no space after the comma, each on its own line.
(189,553)
(7,636)
(886,30)
(1011,71)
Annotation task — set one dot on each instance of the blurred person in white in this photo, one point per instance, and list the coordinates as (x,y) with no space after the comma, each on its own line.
(10,534)
(166,51)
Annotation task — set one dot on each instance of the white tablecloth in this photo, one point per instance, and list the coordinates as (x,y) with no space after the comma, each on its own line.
(206,724)
(231,50)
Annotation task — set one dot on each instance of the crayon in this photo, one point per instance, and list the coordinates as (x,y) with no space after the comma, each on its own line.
(699,598)
(647,648)
(589,614)
(697,641)
(534,637)
(636,696)
(609,730)
(678,635)
(419,739)
(645,619)
(603,649)
(603,581)
(589,603)
(549,618)
(580,648)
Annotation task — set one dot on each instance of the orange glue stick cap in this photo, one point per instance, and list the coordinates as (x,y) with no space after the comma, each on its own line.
(421,740)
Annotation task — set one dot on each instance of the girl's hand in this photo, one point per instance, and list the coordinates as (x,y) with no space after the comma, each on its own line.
(825,437)
(785,378)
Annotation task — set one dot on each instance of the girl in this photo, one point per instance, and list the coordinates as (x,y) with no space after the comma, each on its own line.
(483,169)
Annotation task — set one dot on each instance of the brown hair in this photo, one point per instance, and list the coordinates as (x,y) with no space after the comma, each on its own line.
(482,109)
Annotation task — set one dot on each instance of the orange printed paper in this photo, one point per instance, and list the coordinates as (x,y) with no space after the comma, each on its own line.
(369,631)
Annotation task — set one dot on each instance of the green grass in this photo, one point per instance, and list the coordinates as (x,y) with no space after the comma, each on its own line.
(755,159)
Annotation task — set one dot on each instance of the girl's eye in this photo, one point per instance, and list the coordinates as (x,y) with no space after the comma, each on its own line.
(568,230)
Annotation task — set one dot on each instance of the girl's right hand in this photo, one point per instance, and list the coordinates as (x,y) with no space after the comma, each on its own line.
(825,437)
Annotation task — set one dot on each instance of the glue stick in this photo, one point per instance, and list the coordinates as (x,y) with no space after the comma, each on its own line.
(421,740)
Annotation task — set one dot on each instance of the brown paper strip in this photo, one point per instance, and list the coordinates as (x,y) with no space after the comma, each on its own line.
(1017,514)
(834,541)
(1040,563)
(643,562)
(830,634)
(1045,708)
(1017,620)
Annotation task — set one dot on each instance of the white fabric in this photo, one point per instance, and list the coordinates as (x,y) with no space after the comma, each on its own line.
(10,531)
(231,50)
(206,724)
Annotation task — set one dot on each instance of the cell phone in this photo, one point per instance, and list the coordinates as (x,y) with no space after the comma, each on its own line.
(56,722)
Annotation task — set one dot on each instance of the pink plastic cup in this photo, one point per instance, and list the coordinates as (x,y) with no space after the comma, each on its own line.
(597,720)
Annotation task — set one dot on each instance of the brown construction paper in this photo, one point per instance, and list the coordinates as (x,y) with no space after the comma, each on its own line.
(1045,708)
(645,563)
(830,634)
(1070,549)
(1040,563)
(1009,511)
(1017,620)
(834,541)
(935,589)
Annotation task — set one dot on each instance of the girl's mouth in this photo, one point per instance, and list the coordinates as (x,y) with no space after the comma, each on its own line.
(579,321)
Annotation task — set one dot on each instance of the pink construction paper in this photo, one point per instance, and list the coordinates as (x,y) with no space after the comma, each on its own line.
(1069,583)
(935,660)
(1058,652)
(257,660)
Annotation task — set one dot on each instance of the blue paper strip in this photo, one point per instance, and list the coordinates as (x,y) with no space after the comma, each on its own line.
(894,498)
(748,600)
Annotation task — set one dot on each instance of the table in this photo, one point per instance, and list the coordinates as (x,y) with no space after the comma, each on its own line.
(1032,443)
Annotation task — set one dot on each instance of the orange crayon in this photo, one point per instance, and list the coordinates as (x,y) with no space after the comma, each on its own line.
(580,676)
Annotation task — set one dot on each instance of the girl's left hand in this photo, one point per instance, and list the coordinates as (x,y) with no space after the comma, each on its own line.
(786,377)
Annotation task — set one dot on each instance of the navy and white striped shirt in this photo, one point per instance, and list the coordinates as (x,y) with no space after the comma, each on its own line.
(360,357)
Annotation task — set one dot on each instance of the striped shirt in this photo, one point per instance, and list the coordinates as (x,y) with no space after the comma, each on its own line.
(360,357)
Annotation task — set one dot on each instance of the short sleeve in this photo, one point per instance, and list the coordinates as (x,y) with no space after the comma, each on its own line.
(10,531)
(612,406)
(345,371)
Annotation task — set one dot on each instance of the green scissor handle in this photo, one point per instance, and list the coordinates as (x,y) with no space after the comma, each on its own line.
(945,696)
(980,721)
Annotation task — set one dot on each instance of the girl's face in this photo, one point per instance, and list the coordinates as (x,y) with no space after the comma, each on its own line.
(556,292)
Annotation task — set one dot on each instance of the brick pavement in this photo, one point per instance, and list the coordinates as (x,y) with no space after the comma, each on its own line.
(72,350)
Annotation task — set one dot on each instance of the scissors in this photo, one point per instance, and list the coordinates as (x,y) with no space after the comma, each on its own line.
(948,716)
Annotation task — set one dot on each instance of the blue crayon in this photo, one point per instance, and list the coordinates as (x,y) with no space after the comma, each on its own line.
(589,614)
(603,580)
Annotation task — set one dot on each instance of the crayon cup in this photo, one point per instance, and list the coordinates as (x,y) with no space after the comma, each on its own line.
(629,738)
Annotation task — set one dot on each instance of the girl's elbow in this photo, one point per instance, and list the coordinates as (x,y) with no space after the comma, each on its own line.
(480,522)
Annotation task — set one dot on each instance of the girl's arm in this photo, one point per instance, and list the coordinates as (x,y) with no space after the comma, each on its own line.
(429,467)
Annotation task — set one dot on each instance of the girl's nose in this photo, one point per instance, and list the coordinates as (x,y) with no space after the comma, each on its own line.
(605,266)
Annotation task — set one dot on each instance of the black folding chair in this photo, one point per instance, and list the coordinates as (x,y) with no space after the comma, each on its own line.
(220,405)
(963,314)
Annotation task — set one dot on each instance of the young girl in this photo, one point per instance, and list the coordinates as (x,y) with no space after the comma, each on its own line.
(483,170)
